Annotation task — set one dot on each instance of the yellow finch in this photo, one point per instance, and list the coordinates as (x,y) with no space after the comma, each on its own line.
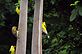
(12,49)
(44,28)
(15,31)
(17,10)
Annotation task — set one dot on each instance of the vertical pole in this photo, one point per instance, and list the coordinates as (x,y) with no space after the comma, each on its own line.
(37,28)
(22,28)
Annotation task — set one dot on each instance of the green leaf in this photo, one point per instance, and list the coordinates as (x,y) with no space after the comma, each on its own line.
(76,2)
(80,10)
(63,52)
(2,23)
(54,40)
(31,0)
(73,15)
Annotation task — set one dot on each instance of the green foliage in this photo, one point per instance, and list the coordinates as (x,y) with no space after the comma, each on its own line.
(74,14)
(2,23)
(75,3)
(76,11)
(80,10)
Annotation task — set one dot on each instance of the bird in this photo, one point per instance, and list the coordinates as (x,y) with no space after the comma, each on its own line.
(44,29)
(17,10)
(12,49)
(15,31)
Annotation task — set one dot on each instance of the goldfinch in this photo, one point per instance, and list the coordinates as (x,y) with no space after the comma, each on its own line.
(12,49)
(17,10)
(15,31)
(44,29)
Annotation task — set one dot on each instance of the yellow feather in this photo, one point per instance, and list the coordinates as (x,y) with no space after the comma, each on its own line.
(17,10)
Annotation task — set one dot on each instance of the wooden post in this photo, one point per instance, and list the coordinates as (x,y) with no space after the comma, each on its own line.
(37,28)
(22,28)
